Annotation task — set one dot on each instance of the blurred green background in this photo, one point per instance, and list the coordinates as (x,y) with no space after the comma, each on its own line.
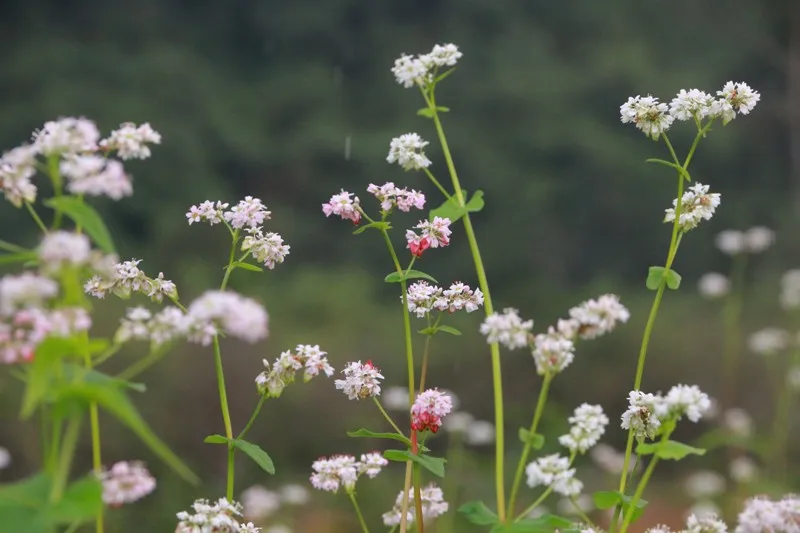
(292,101)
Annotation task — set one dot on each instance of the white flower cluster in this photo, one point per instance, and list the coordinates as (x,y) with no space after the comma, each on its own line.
(259,503)
(646,412)
(713,285)
(131,141)
(755,240)
(305,357)
(408,151)
(433,234)
(697,204)
(654,118)
(343,206)
(790,289)
(424,298)
(433,505)
(232,313)
(507,328)
(588,423)
(391,196)
(360,381)
(95,175)
(22,331)
(705,524)
(594,318)
(769,341)
(343,471)
(421,70)
(552,352)
(760,515)
(219,517)
(126,482)
(129,278)
(554,471)
(63,249)
(160,328)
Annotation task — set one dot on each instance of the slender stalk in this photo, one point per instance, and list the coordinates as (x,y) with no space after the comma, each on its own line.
(361,521)
(638,494)
(781,420)
(537,415)
(142,364)
(497,381)
(404,504)
(36,217)
(732,318)
(68,445)
(386,416)
(579,510)
(455,460)
(11,247)
(253,416)
(419,518)
(437,184)
(528,510)
(226,416)
(424,373)
(231,258)
(97,460)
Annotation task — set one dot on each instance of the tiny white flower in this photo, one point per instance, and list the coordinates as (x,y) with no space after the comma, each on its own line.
(360,381)
(237,315)
(597,317)
(126,482)
(734,98)
(408,151)
(768,341)
(691,104)
(641,416)
(647,114)
(730,241)
(552,352)
(131,141)
(588,423)
(433,505)
(697,204)
(66,136)
(17,167)
(507,328)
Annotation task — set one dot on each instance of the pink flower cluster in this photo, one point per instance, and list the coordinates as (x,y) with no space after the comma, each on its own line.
(428,410)
(390,196)
(341,205)
(433,234)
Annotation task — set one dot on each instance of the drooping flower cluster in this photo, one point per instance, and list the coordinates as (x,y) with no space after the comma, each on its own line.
(167,325)
(552,352)
(433,505)
(305,357)
(228,312)
(219,517)
(391,196)
(760,515)
(129,278)
(588,423)
(360,381)
(755,240)
(697,204)
(343,206)
(554,471)
(594,318)
(713,285)
(408,151)
(266,248)
(769,341)
(343,470)
(421,70)
(507,328)
(433,234)
(126,482)
(424,298)
(131,141)
(647,412)
(428,410)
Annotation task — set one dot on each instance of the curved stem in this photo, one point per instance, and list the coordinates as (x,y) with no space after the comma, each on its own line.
(528,510)
(436,183)
(361,521)
(142,364)
(253,416)
(386,416)
(36,217)
(537,415)
(226,416)
(424,372)
(638,494)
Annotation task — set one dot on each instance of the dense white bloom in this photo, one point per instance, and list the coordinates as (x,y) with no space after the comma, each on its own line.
(588,423)
(507,328)
(248,213)
(705,524)
(309,358)
(758,239)
(734,98)
(424,298)
(129,278)
(26,290)
(738,422)
(743,469)
(687,400)
(343,206)
(66,135)
(428,410)
(408,151)
(5,458)
(730,241)
(396,398)
(446,55)
(768,341)
(207,211)
(691,104)
(647,114)
(93,175)
(334,472)
(608,459)
(554,471)
(294,494)
(360,381)
(596,317)
(761,515)
(552,352)
(391,196)
(130,141)
(696,204)
(258,503)
(238,316)
(167,325)
(17,167)
(704,484)
(371,464)
(713,285)
(409,71)
(61,248)
(479,432)
(790,289)
(642,414)
(126,482)
(434,234)
(221,516)
(433,505)
(266,248)
(460,296)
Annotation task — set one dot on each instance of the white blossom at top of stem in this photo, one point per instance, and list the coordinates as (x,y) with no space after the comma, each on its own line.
(758,239)
(131,141)
(429,409)
(126,482)
(418,70)
(704,484)
(371,464)
(691,104)
(17,167)
(596,317)
(63,248)
(424,298)
(713,285)
(93,175)
(434,234)
(697,204)
(762,515)
(687,400)
(790,289)
(705,524)
(408,151)
(360,381)
(507,328)
(433,505)
(642,414)
(554,471)
(266,248)
(306,357)
(129,278)
(588,423)
(552,352)
(647,114)
(258,503)
(735,98)
(66,135)
(442,55)
(248,213)
(221,516)
(391,196)
(236,315)
(25,290)
(730,241)
(343,206)
(331,473)
(768,341)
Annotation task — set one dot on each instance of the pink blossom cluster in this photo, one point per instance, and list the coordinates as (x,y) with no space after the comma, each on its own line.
(343,206)
(428,410)
(424,298)
(433,234)
(331,473)
(391,196)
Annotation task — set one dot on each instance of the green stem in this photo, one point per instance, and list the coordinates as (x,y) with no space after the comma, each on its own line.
(528,510)
(231,259)
(68,445)
(537,415)
(497,381)
(638,494)
(404,504)
(97,460)
(582,514)
(455,460)
(781,421)
(55,440)
(361,521)
(424,372)
(11,247)
(36,217)
(226,416)
(253,416)
(386,416)
(436,183)
(103,357)
(419,518)
(142,364)
(54,172)
(732,317)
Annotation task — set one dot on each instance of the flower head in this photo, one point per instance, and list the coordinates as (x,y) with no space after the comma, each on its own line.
(735,98)
(237,315)
(730,241)
(248,213)
(408,151)
(126,482)
(26,290)
(391,196)
(552,352)
(131,141)
(371,464)
(221,516)
(554,471)
(208,211)
(768,341)
(360,380)
(266,248)
(687,400)
(433,505)
(93,175)
(65,136)
(705,524)
(63,248)
(410,70)
(334,472)
(17,167)
(434,234)
(424,298)
(647,114)
(507,328)
(597,317)
(758,239)
(588,424)
(305,357)
(642,414)
(696,204)
(691,104)
(428,410)
(129,278)
(760,515)
(341,205)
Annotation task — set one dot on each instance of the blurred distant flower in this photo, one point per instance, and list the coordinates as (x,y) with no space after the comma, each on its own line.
(17,167)
(294,494)
(758,239)
(94,175)
(735,98)
(360,381)
(131,141)
(25,290)
(738,422)
(236,315)
(703,484)
(743,469)
(552,352)
(761,515)
(278,528)
(584,502)
(433,234)
(730,241)
(691,104)
(5,458)
(607,458)
(790,289)
(793,378)
(343,206)
(408,151)
(713,285)
(126,482)
(479,433)
(553,471)
(311,359)
(258,503)
(598,317)
(396,399)
(768,341)
(391,196)
(66,136)
(588,423)
(433,505)
(428,410)
(63,248)
(23,331)
(458,422)
(507,328)
(647,114)
(697,204)
(371,464)
(688,401)
(704,519)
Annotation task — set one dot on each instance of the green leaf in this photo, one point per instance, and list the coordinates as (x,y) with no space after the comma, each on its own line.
(449,329)
(75,372)
(669,450)
(371,434)
(427,112)
(19,257)
(547,523)
(248,266)
(682,171)
(657,274)
(81,502)
(112,399)
(673,279)
(255,453)
(478,513)
(433,464)
(86,217)
(475,203)
(449,209)
(606,499)
(46,360)
(536,440)
(396,277)
(377,225)
(216,439)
